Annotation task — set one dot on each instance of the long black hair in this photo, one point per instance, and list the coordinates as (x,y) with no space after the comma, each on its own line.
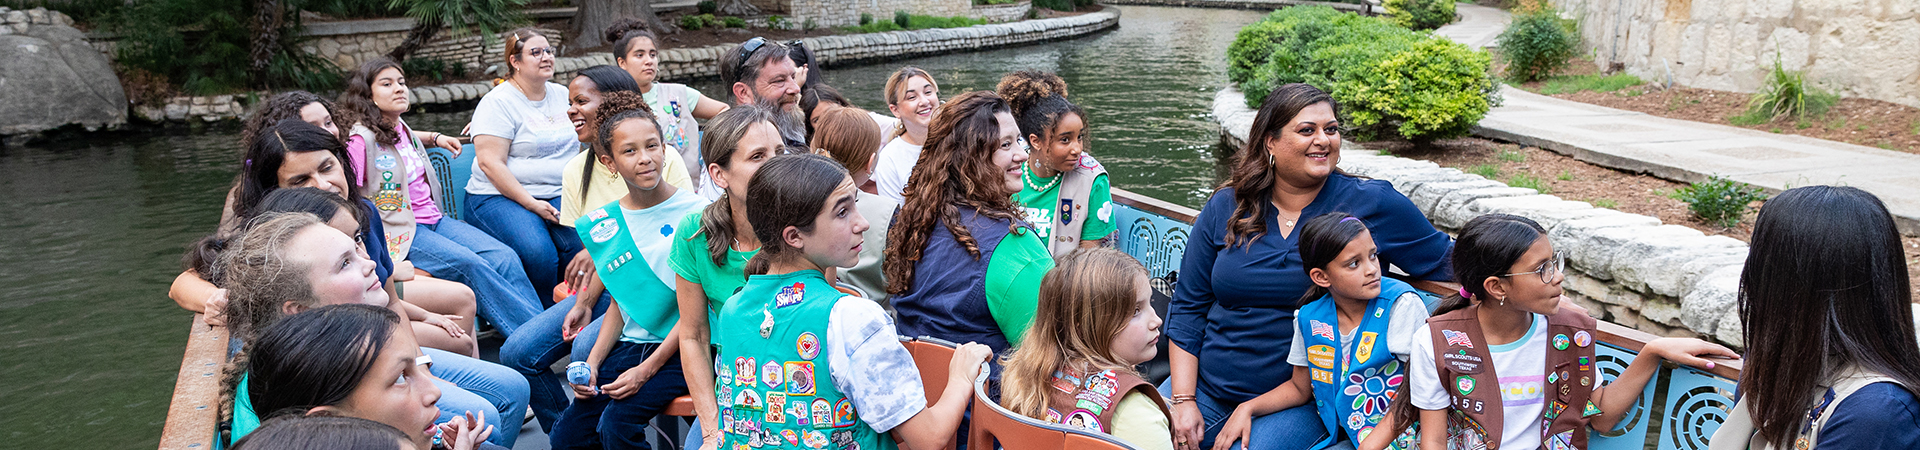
(320,432)
(788,191)
(260,171)
(1322,239)
(1488,247)
(282,106)
(1821,255)
(315,358)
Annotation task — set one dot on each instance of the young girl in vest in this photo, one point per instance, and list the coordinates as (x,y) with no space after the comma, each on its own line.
(637,373)
(804,366)
(1076,367)
(912,97)
(637,50)
(1506,366)
(1826,302)
(390,159)
(1063,191)
(711,262)
(1351,340)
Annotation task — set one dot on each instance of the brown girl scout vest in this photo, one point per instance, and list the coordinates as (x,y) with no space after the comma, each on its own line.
(386,174)
(1089,401)
(1466,370)
(1076,190)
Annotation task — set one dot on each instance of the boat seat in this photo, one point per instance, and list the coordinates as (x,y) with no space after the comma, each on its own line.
(993,423)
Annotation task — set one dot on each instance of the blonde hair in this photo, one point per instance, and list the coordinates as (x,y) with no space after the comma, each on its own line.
(847,135)
(895,83)
(257,276)
(1085,301)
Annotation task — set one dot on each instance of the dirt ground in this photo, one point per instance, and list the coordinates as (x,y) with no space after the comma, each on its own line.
(1575,180)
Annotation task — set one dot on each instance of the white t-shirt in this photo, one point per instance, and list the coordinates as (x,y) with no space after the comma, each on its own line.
(1522,367)
(896,162)
(652,232)
(1409,313)
(887,123)
(542,135)
(870,366)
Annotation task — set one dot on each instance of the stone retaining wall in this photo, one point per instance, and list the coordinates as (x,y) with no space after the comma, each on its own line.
(1625,268)
(1002,13)
(838,13)
(1859,48)
(347,44)
(16,21)
(1370,8)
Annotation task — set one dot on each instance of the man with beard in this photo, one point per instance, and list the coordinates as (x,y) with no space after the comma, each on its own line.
(759,71)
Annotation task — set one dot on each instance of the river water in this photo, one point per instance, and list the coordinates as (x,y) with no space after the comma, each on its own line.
(91,230)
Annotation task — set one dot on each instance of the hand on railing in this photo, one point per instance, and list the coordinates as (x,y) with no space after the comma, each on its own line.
(215,312)
(969,363)
(1688,351)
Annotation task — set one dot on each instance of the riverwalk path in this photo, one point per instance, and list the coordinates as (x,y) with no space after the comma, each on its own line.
(1686,151)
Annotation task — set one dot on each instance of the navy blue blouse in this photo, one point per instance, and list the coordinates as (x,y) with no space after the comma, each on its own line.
(375,239)
(1233,308)
(1879,415)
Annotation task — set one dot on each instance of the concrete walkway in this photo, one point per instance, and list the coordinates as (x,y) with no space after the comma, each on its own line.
(1683,150)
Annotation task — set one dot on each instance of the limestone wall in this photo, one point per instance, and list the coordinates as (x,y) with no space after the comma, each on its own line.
(1371,7)
(349,43)
(1625,268)
(835,13)
(1858,48)
(1002,13)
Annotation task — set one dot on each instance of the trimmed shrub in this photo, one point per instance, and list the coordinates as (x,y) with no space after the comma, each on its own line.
(1419,14)
(693,22)
(734,22)
(1720,201)
(1536,45)
(866,18)
(708,6)
(902,19)
(1390,81)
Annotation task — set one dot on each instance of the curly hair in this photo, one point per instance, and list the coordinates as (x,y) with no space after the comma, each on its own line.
(955,170)
(1038,100)
(286,105)
(619,107)
(356,103)
(624,31)
(257,276)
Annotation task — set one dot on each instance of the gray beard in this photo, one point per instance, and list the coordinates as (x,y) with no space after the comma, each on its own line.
(792,125)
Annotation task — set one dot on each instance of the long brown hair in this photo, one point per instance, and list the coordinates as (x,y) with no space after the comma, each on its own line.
(721,138)
(1085,301)
(847,135)
(955,170)
(1253,177)
(356,103)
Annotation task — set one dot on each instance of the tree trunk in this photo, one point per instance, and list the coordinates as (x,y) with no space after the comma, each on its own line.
(590,22)
(738,8)
(268,17)
(418,37)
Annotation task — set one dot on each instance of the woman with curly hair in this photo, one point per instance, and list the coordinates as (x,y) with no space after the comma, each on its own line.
(965,266)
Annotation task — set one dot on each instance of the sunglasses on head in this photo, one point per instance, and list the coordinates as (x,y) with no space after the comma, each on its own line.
(746,49)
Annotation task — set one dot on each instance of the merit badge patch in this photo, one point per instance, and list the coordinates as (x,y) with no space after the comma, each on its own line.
(1320,356)
(776,407)
(1365,350)
(1089,405)
(743,370)
(1464,385)
(843,413)
(1083,419)
(1053,416)
(1457,339)
(790,295)
(1560,342)
(1562,441)
(798,409)
(792,437)
(747,399)
(1581,338)
(726,420)
(1591,410)
(808,345)
(1065,381)
(1087,162)
(822,413)
(770,375)
(385,162)
(1555,410)
(799,378)
(1104,383)
(604,230)
(1322,329)
(817,439)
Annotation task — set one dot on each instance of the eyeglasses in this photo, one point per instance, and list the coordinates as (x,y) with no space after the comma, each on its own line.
(535,52)
(1548,270)
(746,49)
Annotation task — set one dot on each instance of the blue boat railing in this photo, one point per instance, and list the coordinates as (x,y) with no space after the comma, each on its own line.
(1680,408)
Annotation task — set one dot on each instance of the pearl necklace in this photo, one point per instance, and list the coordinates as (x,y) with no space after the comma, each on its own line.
(1026,177)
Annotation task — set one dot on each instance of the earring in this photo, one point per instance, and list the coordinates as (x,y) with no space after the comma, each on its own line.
(1269,159)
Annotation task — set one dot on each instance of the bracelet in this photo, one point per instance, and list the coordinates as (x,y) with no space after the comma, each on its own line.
(1181,398)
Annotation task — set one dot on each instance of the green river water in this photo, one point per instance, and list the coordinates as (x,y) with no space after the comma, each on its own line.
(91,230)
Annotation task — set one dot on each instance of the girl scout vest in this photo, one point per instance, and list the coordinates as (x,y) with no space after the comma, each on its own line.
(774,387)
(948,299)
(1352,384)
(1089,401)
(1737,433)
(1466,369)
(680,130)
(386,174)
(644,290)
(1076,190)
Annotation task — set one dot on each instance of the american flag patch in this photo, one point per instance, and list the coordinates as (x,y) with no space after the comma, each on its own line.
(1456,338)
(1322,329)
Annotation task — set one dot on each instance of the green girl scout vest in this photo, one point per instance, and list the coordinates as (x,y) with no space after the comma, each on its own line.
(386,174)
(774,386)
(1076,190)
(634,268)
(1466,369)
(1352,386)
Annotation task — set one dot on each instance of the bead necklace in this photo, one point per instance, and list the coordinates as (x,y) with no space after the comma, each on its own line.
(1026,176)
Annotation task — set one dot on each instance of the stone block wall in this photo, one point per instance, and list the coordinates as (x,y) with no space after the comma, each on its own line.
(348,44)
(691,63)
(838,13)
(1002,13)
(1856,48)
(1625,268)
(16,21)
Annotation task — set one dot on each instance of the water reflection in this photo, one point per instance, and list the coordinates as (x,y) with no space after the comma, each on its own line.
(91,231)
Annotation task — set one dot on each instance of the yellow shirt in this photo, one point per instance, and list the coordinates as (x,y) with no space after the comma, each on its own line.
(1139,421)
(607,186)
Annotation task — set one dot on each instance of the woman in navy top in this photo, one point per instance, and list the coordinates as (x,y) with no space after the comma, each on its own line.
(1231,317)
(1826,302)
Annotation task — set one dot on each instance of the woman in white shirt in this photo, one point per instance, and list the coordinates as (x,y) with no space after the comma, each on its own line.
(523,139)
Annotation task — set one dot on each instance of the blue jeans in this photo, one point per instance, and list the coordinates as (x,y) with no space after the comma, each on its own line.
(1292,428)
(620,424)
(455,251)
(468,384)
(544,247)
(533,349)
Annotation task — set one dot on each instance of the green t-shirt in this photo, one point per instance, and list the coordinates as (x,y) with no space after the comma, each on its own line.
(1013,282)
(1042,207)
(691,261)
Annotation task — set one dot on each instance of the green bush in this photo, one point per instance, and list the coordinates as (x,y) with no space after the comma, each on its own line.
(1419,14)
(694,22)
(1785,94)
(708,6)
(734,22)
(902,19)
(1389,81)
(1536,45)
(213,57)
(1719,200)
(1596,83)
(1056,5)
(866,18)
(778,22)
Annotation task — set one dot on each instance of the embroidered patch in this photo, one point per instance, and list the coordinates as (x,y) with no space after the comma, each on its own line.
(790,295)
(1066,211)
(843,413)
(808,345)
(817,439)
(770,374)
(792,437)
(726,420)
(1562,441)
(596,214)
(1321,376)
(1322,329)
(1087,162)
(1090,406)
(1581,338)
(798,409)
(743,370)
(1356,420)
(1053,416)
(822,412)
(1104,383)
(1065,381)
(1560,342)
(1461,362)
(1083,419)
(1320,356)
(1591,410)
(776,407)
(1464,385)
(747,399)
(799,378)
(604,230)
(1555,410)
(1553,378)
(1457,339)
(385,162)
(726,392)
(1365,350)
